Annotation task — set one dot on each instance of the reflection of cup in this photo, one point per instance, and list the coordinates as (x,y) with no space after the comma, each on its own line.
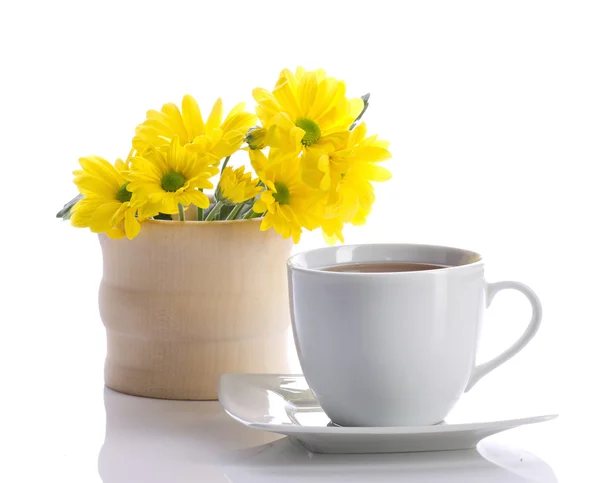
(394,345)
(287,461)
(151,440)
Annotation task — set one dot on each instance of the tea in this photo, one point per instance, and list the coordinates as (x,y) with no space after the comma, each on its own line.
(383,267)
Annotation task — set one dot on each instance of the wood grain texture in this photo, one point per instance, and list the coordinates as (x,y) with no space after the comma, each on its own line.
(184,302)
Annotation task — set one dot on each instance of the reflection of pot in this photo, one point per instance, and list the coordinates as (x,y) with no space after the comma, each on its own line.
(157,441)
(150,440)
(183,303)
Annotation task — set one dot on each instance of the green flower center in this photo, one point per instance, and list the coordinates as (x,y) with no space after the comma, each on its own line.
(311,128)
(122,194)
(172,181)
(283,194)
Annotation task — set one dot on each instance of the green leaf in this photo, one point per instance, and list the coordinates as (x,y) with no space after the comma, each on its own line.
(224,213)
(65,213)
(365,99)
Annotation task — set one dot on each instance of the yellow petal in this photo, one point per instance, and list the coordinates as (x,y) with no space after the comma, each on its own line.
(296,236)
(199,199)
(325,184)
(296,135)
(377,173)
(267,197)
(323,163)
(330,239)
(266,222)
(300,72)
(200,144)
(175,121)
(83,211)
(258,161)
(356,107)
(272,137)
(192,117)
(101,219)
(329,94)
(237,109)
(285,93)
(101,168)
(371,153)
(91,185)
(157,126)
(121,165)
(214,120)
(148,210)
(259,206)
(240,121)
(153,169)
(157,116)
(284,121)
(268,105)
(132,225)
(307,91)
(358,134)
(177,156)
(115,233)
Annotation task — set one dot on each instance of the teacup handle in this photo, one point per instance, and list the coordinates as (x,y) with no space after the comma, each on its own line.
(534,324)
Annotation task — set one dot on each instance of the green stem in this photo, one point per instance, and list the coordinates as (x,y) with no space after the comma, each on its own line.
(181,212)
(200,212)
(234,213)
(225,163)
(214,211)
(252,214)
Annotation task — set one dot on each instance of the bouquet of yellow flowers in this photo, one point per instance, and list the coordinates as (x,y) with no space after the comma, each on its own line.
(313,164)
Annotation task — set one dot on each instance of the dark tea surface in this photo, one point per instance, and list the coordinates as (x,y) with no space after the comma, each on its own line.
(382,267)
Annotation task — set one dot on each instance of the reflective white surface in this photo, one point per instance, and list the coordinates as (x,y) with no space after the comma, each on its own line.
(92,434)
(159,441)
(61,424)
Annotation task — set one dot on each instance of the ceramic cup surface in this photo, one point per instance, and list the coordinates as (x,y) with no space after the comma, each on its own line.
(393,349)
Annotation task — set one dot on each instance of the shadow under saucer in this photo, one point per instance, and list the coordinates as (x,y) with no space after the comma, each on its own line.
(287,460)
(151,441)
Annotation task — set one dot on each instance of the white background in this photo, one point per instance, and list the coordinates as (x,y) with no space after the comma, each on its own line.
(492,110)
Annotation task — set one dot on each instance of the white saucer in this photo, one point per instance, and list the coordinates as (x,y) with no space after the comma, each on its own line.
(284,404)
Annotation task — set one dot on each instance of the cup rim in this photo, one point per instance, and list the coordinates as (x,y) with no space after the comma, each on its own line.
(292,263)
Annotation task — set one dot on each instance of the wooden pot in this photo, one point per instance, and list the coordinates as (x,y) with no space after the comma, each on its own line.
(183,303)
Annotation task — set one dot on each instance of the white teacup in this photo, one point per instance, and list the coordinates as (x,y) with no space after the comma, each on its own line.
(394,348)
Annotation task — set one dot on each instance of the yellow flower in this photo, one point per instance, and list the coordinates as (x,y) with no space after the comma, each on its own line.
(168,177)
(288,204)
(236,186)
(214,138)
(307,108)
(260,138)
(352,149)
(344,169)
(106,206)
